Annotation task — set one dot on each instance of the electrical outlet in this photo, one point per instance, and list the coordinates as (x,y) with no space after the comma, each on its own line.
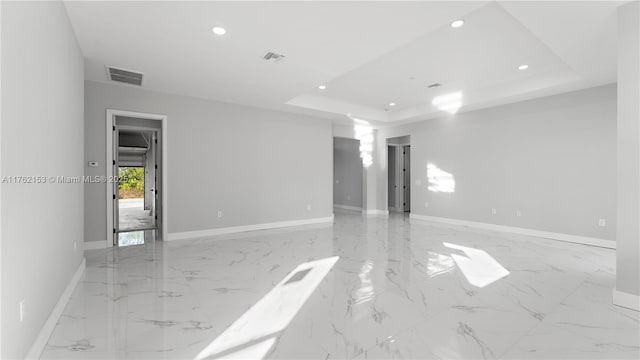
(418,182)
(75,246)
(426,204)
(337,181)
(309,207)
(602,222)
(494,211)
(348,197)
(21,310)
(219,214)
(518,213)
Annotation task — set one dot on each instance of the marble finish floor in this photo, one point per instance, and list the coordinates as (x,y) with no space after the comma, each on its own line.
(398,290)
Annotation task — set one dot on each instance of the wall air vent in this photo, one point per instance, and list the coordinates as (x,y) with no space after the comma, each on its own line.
(434,85)
(124,76)
(273,57)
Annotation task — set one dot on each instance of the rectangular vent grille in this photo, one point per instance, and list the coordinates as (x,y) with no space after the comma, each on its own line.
(125,76)
(273,57)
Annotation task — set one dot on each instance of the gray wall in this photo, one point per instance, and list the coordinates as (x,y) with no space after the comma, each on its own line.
(42,132)
(552,158)
(347,172)
(628,232)
(254,165)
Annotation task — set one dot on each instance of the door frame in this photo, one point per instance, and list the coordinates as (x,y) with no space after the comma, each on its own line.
(406,179)
(399,173)
(110,122)
(116,210)
(398,178)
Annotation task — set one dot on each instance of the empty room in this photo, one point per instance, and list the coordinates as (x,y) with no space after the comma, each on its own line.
(320,180)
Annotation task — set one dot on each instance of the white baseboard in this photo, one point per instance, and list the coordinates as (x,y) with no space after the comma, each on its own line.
(585,240)
(347,207)
(376,212)
(95,245)
(244,228)
(626,300)
(47,329)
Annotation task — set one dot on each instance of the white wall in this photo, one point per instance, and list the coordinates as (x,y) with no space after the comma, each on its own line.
(401,140)
(347,172)
(628,232)
(344,131)
(552,158)
(42,135)
(255,165)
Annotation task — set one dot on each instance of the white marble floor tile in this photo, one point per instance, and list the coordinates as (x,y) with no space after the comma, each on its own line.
(584,325)
(95,337)
(399,290)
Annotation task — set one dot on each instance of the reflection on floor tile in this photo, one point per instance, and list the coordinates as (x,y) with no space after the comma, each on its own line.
(135,237)
(399,290)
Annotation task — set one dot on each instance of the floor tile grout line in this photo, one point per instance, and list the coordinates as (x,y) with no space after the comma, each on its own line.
(551,311)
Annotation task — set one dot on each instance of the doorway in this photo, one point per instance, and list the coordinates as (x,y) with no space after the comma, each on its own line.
(348,174)
(392,180)
(399,174)
(136,209)
(136,163)
(406,170)
(137,179)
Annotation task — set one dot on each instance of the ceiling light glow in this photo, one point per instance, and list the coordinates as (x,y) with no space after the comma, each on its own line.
(523,67)
(392,104)
(322,87)
(457,23)
(448,102)
(219,30)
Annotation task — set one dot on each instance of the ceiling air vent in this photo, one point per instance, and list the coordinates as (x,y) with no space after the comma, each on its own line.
(435,85)
(124,76)
(273,57)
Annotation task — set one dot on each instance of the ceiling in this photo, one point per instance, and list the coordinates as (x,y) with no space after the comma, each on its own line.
(368,54)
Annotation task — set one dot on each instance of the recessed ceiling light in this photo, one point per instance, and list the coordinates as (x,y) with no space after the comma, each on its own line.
(219,30)
(322,87)
(392,104)
(523,67)
(457,23)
